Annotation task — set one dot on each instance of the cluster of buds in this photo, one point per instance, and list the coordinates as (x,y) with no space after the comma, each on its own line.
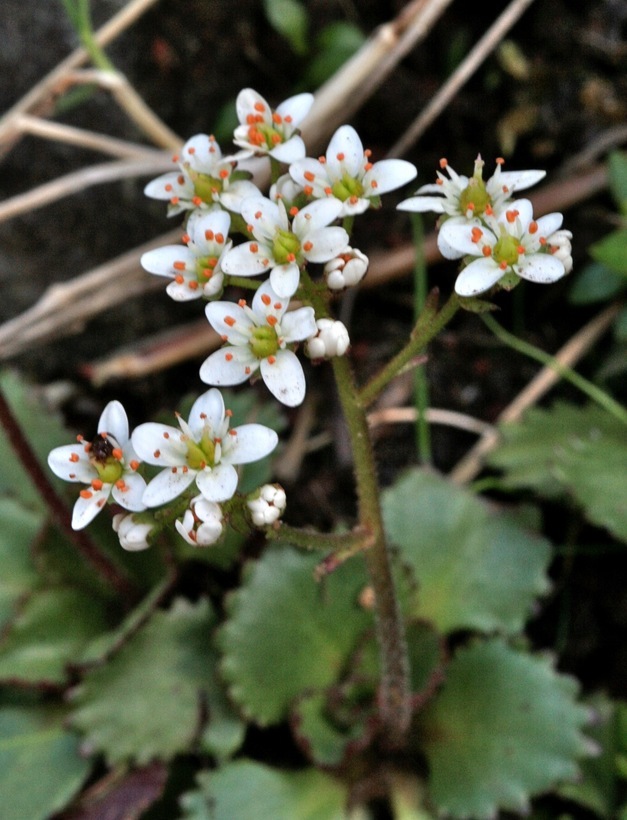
(496,236)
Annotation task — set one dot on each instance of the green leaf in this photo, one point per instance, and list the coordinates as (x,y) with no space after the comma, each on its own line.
(290,19)
(581,451)
(146,702)
(475,569)
(247,790)
(286,633)
(504,728)
(40,767)
(595,283)
(617,172)
(18,528)
(50,632)
(612,251)
(335,45)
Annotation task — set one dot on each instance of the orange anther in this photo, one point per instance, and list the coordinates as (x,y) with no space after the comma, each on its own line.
(340,156)
(259,106)
(86,494)
(503,265)
(511,216)
(307,246)
(197,201)
(209,234)
(247,370)
(241,302)
(117,454)
(278,305)
(223,174)
(309,176)
(134,465)
(476,234)
(191,150)
(121,485)
(179,265)
(486,250)
(96,484)
(277,118)
(253,247)
(219,238)
(443,162)
(157,454)
(271,320)
(374,184)
(533,226)
(179,279)
(192,285)
(228,357)
(74,457)
(229,320)
(520,249)
(293,210)
(271,359)
(500,161)
(266,299)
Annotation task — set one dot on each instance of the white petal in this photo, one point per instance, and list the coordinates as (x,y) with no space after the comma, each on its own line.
(388,174)
(316,215)
(422,204)
(151,438)
(236,194)
(247,443)
(284,279)
(549,223)
(167,485)
(218,484)
(182,292)
(86,509)
(326,243)
(202,152)
(296,108)
(267,302)
(218,221)
(245,104)
(313,168)
(167,185)
(525,211)
(161,260)
(229,320)
(285,378)
(290,150)
(345,142)
(229,366)
(354,205)
(60,461)
(113,420)
(447,249)
(131,497)
(541,267)
(263,215)
(456,237)
(478,277)
(519,180)
(299,324)
(207,409)
(249,259)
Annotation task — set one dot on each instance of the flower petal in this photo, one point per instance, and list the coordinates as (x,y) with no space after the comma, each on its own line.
(207,409)
(250,102)
(549,223)
(299,324)
(236,194)
(387,175)
(114,421)
(229,320)
(478,277)
(161,260)
(316,215)
(248,259)
(284,378)
(131,497)
(290,150)
(519,180)
(267,302)
(86,509)
(422,204)
(317,177)
(541,267)
(345,153)
(248,442)
(159,444)
(285,279)
(326,243)
(219,483)
(229,366)
(296,107)
(166,485)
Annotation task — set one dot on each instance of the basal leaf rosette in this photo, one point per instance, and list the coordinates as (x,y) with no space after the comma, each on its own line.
(474,569)
(285,634)
(504,728)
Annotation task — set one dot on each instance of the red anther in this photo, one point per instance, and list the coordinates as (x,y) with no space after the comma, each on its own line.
(228,357)
(249,228)
(254,247)
(543,240)
(374,184)
(288,118)
(185,468)
(192,284)
(247,370)
(134,465)
(328,191)
(277,118)
(520,250)
(486,250)
(470,206)
(74,457)
(259,106)
(174,469)
(340,156)
(511,215)
(186,238)
(503,265)
(265,262)
(352,199)
(168,187)
(228,413)
(223,173)
(80,438)
(291,257)
(96,484)
(241,302)
(489,210)
(250,119)
(443,162)
(307,190)
(166,435)
(271,359)
(505,189)
(100,503)
(209,235)
(258,215)
(476,234)
(367,166)
(72,476)
(217,440)
(439,181)
(219,238)
(180,179)
(179,265)
(179,279)
(533,226)
(121,485)
(232,433)
(367,152)
(229,320)
(500,161)
(157,454)
(197,201)
(309,176)
(307,246)
(266,299)
(276,139)
(271,320)
(293,210)
(117,454)
(86,494)
(224,338)
(175,200)
(175,158)
(277,306)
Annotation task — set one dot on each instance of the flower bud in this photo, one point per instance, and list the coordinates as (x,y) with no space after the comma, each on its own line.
(267,504)
(561,248)
(214,286)
(202,522)
(332,339)
(346,270)
(133,533)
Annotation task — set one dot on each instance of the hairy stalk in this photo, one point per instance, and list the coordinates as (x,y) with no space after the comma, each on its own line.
(421,385)
(356,540)
(57,507)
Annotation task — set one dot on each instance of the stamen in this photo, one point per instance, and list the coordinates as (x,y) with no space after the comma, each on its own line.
(74,458)
(96,484)
(229,320)
(266,299)
(271,320)
(179,265)
(86,494)
(307,246)
(443,162)
(253,247)
(533,226)
(241,302)
(309,176)
(340,156)
(157,454)
(476,234)
(117,454)
(228,357)
(486,250)
(271,359)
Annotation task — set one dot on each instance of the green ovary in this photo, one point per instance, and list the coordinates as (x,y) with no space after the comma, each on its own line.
(205,186)
(346,188)
(204,268)
(203,454)
(109,471)
(285,247)
(264,342)
(506,250)
(474,195)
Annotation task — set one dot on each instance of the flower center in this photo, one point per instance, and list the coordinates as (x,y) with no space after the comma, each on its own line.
(347,187)
(285,247)
(102,457)
(263,133)
(204,268)
(205,186)
(264,341)
(507,249)
(201,454)
(474,197)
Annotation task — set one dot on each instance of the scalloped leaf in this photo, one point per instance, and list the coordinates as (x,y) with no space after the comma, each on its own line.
(40,767)
(146,703)
(287,634)
(247,790)
(18,528)
(504,727)
(475,569)
(581,451)
(50,632)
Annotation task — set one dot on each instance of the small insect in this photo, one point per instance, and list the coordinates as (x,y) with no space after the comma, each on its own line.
(101,448)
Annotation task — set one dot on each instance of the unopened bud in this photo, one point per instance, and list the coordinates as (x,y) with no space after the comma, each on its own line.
(202,522)
(133,533)
(267,505)
(346,270)
(214,286)
(332,339)
(560,244)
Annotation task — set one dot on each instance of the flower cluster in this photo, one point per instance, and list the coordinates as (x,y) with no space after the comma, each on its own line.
(497,236)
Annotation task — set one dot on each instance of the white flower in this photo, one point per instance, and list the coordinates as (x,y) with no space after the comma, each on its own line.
(347,269)
(266,131)
(202,522)
(331,340)
(195,269)
(459,196)
(133,534)
(257,340)
(267,505)
(347,174)
(515,245)
(203,450)
(282,247)
(204,177)
(107,464)
(559,244)
(289,192)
